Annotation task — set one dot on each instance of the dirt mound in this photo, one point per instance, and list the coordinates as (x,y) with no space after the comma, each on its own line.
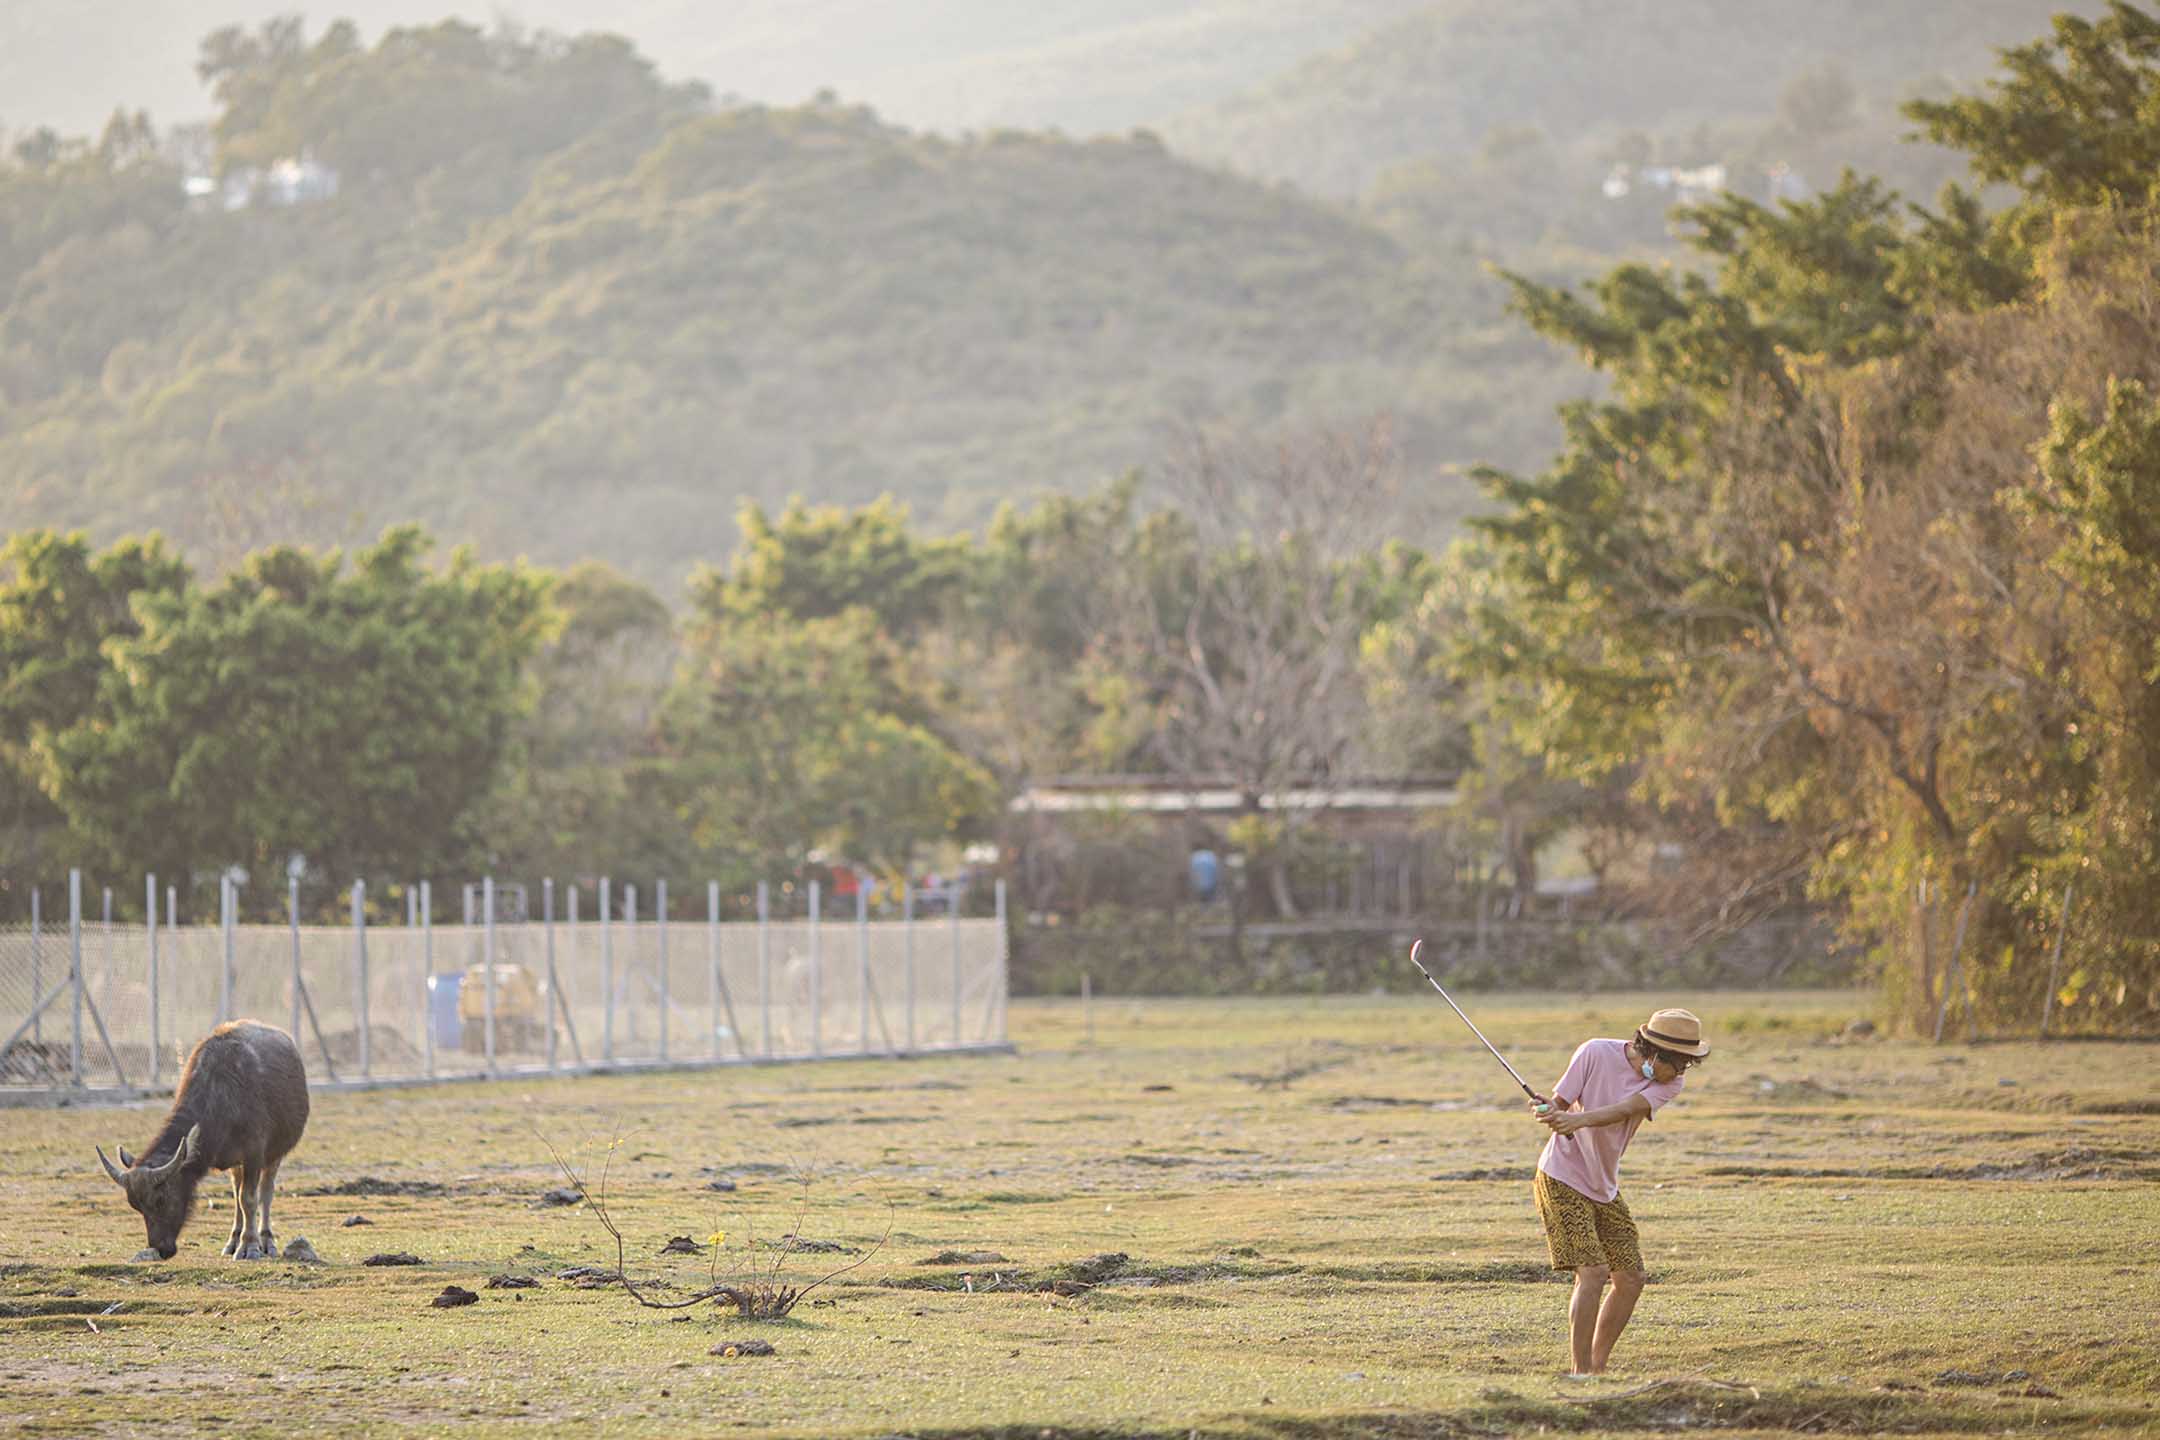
(387,1049)
(1472,1272)
(2078,1162)
(965,1257)
(1077,1277)
(371,1185)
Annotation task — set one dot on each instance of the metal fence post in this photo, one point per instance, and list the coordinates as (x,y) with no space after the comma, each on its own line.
(106,935)
(172,913)
(576,955)
(817,977)
(360,967)
(226,905)
(607,972)
(412,923)
(907,951)
(547,1009)
(37,968)
(487,962)
(150,920)
(712,969)
(764,964)
(427,971)
(952,914)
(292,920)
(660,915)
(75,973)
(862,968)
(629,975)
(999,982)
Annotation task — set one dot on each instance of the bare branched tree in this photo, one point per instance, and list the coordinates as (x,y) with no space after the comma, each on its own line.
(759,1291)
(1240,616)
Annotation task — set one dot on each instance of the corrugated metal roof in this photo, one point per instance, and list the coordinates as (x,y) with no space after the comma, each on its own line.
(1058,799)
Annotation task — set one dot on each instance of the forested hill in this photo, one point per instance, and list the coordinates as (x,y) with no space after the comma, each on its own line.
(562,309)
(1443,79)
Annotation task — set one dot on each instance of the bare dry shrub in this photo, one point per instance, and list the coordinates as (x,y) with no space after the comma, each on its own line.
(759,1290)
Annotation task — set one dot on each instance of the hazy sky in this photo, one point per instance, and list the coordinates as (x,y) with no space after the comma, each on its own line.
(945,64)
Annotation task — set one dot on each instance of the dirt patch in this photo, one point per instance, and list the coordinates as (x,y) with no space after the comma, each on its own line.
(800,1122)
(27,1309)
(453,1296)
(1289,1072)
(1794,1092)
(396,1257)
(797,1245)
(2078,1162)
(1354,1103)
(1111,1269)
(386,1047)
(1474,1272)
(965,1257)
(373,1185)
(1491,1172)
(1689,1404)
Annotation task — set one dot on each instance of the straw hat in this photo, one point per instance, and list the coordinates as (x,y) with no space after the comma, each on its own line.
(1679,1031)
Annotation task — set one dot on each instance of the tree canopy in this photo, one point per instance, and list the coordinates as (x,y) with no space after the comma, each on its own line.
(1851,559)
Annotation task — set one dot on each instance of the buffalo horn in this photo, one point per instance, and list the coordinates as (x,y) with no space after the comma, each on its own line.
(110,1169)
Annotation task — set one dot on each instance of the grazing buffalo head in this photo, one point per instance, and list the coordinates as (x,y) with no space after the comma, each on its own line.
(161,1194)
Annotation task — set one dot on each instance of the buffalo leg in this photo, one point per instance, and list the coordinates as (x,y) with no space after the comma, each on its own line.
(265,1183)
(249,1248)
(239,1210)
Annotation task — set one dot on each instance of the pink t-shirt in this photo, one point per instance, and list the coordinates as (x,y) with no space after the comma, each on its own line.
(1599,1075)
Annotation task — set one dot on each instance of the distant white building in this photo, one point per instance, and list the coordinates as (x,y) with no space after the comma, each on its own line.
(1687,186)
(291,181)
(1693,185)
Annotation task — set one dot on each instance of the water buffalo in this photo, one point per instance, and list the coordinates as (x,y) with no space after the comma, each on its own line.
(242,1103)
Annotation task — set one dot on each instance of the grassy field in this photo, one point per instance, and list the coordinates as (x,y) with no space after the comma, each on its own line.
(1324,1208)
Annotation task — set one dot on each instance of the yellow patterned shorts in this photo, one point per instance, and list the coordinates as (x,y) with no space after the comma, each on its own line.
(1580,1231)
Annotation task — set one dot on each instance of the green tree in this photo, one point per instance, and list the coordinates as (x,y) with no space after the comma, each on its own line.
(1774,574)
(585,785)
(2075,121)
(354,717)
(815,562)
(61,605)
(792,735)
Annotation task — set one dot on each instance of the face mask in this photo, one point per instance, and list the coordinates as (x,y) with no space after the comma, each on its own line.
(1649,1071)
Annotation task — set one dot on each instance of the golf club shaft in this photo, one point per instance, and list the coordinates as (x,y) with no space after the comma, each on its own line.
(1418,945)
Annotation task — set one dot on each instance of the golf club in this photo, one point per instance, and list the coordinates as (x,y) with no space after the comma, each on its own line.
(1543,1104)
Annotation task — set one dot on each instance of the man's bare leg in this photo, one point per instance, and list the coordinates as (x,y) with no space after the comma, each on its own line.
(1583,1317)
(1613,1316)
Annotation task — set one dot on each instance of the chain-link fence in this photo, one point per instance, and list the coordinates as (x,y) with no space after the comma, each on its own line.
(588,983)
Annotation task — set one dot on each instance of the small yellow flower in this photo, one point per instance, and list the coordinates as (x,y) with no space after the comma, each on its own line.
(718,1237)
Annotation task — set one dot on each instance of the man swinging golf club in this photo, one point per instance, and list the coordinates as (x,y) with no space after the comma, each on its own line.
(1610,1087)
